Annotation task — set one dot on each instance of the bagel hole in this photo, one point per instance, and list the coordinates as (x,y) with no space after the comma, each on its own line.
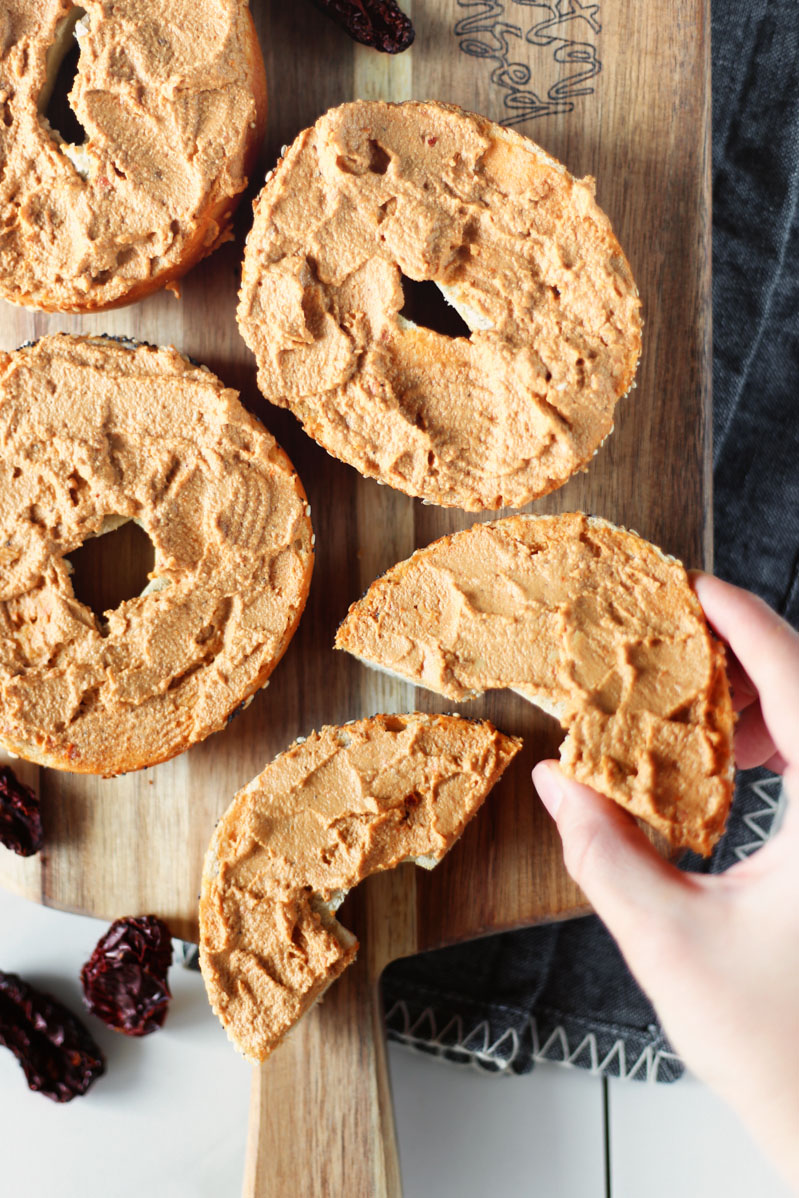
(379,159)
(112,567)
(62,67)
(425,306)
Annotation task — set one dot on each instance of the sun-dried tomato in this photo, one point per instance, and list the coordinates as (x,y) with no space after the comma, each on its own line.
(377,23)
(124,981)
(58,1054)
(20,815)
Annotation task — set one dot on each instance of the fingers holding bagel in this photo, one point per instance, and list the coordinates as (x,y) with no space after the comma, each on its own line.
(767,649)
(623,876)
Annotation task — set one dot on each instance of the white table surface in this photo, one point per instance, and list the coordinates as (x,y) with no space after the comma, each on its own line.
(169,1117)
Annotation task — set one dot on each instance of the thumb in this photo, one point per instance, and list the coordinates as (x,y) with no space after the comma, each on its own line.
(633,890)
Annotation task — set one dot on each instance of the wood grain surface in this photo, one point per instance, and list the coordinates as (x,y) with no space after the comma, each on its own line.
(618,90)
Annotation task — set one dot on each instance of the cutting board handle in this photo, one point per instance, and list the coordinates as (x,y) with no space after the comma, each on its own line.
(321,1116)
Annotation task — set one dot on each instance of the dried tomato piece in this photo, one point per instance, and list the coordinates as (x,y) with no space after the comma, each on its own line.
(377,23)
(58,1054)
(20,815)
(124,980)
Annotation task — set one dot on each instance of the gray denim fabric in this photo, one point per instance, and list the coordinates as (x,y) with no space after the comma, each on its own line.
(563,992)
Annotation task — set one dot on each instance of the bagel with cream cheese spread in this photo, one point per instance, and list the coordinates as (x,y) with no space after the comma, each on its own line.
(95,432)
(591,623)
(347,802)
(172,99)
(374,192)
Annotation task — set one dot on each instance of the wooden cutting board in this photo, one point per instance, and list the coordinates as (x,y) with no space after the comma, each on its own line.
(616,89)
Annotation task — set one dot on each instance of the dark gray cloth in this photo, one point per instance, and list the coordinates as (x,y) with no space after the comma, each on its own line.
(562,992)
(756,297)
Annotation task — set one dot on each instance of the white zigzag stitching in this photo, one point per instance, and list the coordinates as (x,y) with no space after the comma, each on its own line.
(648,1062)
(770,791)
(476,1045)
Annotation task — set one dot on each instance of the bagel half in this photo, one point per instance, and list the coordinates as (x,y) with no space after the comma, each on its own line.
(375,191)
(172,98)
(95,432)
(345,803)
(591,623)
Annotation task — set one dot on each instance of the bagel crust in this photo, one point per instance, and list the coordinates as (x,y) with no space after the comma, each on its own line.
(375,191)
(173,101)
(593,624)
(345,803)
(94,432)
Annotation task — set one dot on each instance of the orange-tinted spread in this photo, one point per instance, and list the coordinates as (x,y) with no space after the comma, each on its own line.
(588,621)
(91,432)
(165,94)
(347,802)
(376,191)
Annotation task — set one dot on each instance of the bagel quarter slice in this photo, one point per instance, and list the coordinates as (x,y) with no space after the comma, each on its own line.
(345,803)
(591,623)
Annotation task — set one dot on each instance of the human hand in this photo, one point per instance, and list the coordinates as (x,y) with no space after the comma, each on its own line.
(717,955)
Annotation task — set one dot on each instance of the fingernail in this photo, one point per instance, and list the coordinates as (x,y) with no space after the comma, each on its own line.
(549,789)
